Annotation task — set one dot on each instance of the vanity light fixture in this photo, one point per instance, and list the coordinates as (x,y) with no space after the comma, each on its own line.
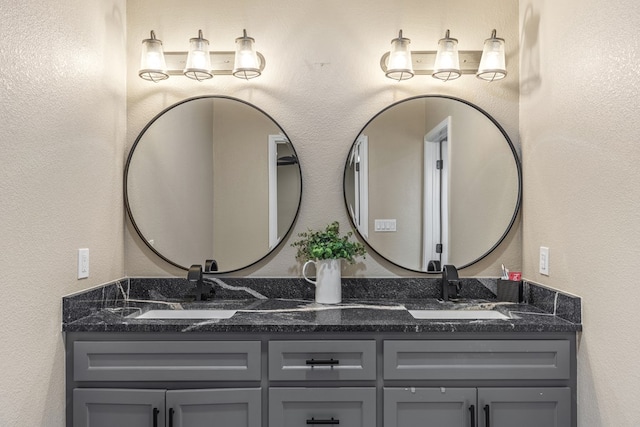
(198,63)
(492,65)
(246,65)
(198,60)
(152,64)
(447,63)
(400,64)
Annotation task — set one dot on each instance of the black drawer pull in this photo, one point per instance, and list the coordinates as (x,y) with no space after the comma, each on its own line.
(156,411)
(324,422)
(487,416)
(331,361)
(171,417)
(472,410)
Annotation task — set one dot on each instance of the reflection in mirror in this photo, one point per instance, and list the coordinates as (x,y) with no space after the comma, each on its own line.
(212,178)
(431,181)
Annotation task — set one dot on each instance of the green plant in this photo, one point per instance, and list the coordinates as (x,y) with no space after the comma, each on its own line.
(327,244)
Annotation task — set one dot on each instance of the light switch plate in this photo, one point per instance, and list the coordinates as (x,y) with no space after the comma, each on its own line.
(83,263)
(385,225)
(544,260)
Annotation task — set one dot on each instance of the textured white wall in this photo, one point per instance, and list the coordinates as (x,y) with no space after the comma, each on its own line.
(579,128)
(322,84)
(62,87)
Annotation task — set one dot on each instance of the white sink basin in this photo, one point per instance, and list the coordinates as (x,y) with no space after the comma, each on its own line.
(187,314)
(457,314)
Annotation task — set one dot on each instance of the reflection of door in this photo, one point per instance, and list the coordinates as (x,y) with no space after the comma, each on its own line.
(360,164)
(274,142)
(435,226)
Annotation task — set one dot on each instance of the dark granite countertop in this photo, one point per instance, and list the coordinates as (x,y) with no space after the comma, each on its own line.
(369,305)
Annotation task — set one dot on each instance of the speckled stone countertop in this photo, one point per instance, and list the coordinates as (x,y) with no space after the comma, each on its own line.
(287,305)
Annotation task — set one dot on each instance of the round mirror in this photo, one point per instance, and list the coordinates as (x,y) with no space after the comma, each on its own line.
(432,180)
(212,178)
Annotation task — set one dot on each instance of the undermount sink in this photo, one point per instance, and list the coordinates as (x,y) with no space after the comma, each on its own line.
(187,314)
(457,314)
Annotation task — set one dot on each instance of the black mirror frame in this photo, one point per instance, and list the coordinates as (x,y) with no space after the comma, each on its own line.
(126,195)
(515,157)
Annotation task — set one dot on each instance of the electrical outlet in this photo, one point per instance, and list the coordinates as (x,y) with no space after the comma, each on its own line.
(544,260)
(83,263)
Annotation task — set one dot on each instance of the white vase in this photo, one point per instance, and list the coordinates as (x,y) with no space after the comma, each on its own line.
(328,280)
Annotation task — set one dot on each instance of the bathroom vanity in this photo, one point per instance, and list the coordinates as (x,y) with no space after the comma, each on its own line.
(289,362)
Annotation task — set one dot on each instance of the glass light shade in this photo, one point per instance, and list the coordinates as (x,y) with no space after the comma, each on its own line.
(400,65)
(152,64)
(246,64)
(492,64)
(447,65)
(198,65)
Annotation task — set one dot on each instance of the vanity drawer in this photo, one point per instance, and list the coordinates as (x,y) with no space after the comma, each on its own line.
(166,361)
(322,360)
(349,406)
(476,360)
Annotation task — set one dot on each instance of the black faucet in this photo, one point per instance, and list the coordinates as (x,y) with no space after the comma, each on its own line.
(210,266)
(450,283)
(203,290)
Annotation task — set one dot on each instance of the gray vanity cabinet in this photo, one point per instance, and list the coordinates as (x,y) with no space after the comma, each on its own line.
(344,406)
(118,407)
(219,407)
(477,362)
(326,360)
(173,408)
(496,407)
(149,383)
(330,362)
(429,407)
(342,379)
(524,407)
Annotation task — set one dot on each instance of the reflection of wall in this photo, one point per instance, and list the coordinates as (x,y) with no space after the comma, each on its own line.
(172,175)
(482,189)
(395,181)
(241,222)
(322,90)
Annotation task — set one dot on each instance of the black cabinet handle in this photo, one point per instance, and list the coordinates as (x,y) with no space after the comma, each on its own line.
(487,416)
(331,361)
(171,411)
(324,422)
(472,411)
(156,411)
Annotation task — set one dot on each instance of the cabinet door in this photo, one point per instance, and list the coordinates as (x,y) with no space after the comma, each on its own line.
(219,407)
(344,407)
(524,407)
(118,407)
(429,407)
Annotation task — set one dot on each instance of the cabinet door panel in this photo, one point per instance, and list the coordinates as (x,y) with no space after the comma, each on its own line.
(525,407)
(429,407)
(345,407)
(118,407)
(219,407)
